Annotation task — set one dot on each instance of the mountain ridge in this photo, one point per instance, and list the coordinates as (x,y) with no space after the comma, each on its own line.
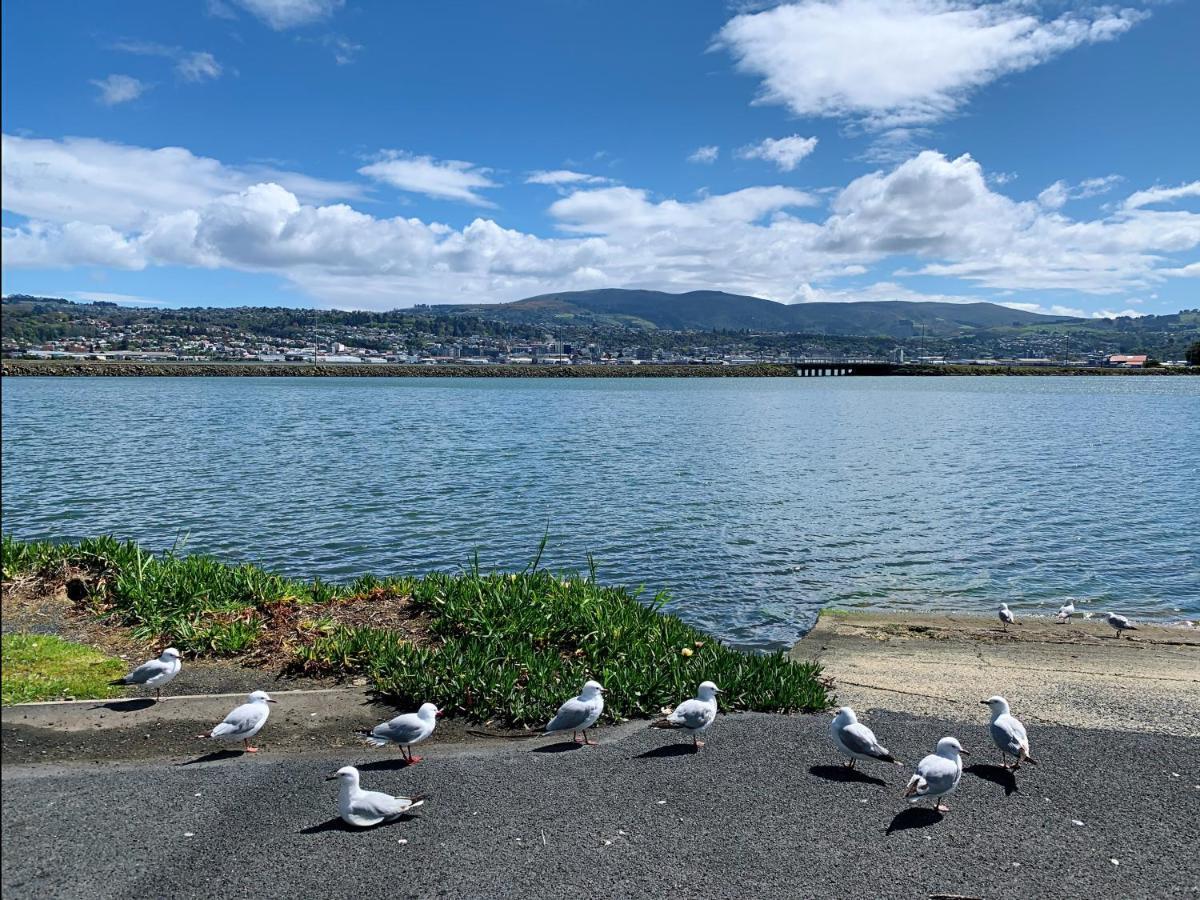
(719,310)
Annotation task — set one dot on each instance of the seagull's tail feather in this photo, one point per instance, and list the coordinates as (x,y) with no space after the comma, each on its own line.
(884,756)
(373,739)
(664,722)
(223,729)
(1131,628)
(1025,757)
(120,680)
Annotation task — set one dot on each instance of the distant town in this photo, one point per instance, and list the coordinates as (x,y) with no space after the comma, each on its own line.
(50,328)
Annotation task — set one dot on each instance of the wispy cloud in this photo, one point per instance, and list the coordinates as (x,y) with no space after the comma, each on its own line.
(116,89)
(448,179)
(901,62)
(560,177)
(1155,195)
(705,155)
(1057,194)
(284,14)
(190,65)
(784,152)
(345,51)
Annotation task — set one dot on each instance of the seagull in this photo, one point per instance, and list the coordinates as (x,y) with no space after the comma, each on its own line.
(405,730)
(694,716)
(579,713)
(366,808)
(1006,616)
(1008,733)
(856,740)
(157,673)
(1120,623)
(938,774)
(1066,611)
(245,721)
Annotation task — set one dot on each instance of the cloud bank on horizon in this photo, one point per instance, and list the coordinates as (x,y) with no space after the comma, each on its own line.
(868,208)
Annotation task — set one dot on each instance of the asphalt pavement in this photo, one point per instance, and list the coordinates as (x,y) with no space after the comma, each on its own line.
(762,811)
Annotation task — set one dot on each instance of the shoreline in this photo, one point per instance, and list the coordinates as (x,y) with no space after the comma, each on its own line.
(81,368)
(1077,674)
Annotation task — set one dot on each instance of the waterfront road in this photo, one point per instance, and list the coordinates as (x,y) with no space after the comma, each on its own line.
(762,811)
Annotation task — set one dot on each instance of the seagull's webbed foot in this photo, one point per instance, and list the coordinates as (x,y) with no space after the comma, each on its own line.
(941,807)
(250,749)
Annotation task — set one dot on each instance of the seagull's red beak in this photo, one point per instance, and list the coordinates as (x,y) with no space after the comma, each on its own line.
(439,714)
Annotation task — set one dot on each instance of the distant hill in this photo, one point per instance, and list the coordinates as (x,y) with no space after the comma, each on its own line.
(708,310)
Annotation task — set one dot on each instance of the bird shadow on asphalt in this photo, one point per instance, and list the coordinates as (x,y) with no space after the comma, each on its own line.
(996,775)
(560,747)
(336,824)
(844,774)
(127,705)
(915,817)
(215,756)
(668,750)
(385,765)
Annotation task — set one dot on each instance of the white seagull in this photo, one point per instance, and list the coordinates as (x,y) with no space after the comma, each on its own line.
(579,713)
(363,809)
(938,774)
(1120,623)
(694,716)
(157,673)
(1006,616)
(245,721)
(1008,733)
(855,740)
(405,730)
(1066,611)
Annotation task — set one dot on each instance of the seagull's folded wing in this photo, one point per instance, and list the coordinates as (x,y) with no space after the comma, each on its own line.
(692,714)
(571,716)
(377,805)
(145,672)
(402,729)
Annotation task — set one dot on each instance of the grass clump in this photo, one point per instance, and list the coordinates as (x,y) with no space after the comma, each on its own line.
(45,667)
(493,646)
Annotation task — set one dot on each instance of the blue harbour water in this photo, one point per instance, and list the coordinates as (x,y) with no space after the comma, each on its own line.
(754,502)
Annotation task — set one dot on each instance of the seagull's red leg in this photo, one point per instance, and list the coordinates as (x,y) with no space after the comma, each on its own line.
(249,749)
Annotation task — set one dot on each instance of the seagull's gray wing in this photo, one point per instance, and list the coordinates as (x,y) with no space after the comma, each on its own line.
(571,716)
(939,773)
(146,671)
(244,721)
(377,805)
(692,714)
(401,730)
(858,738)
(1006,739)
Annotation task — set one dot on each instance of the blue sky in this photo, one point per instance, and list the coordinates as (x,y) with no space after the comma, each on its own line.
(375,155)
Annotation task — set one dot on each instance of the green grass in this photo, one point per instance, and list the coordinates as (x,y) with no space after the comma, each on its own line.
(45,667)
(505,647)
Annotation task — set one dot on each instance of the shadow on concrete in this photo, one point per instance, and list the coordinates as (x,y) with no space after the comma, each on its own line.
(915,817)
(844,774)
(560,747)
(336,824)
(1006,778)
(394,764)
(215,756)
(669,750)
(127,705)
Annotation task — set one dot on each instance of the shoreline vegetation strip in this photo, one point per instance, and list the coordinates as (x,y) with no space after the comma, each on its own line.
(18,368)
(499,647)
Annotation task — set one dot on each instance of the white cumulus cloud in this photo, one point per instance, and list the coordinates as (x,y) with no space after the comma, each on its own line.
(784,152)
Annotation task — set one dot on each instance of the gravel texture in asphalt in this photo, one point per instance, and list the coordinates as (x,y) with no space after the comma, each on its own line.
(764,810)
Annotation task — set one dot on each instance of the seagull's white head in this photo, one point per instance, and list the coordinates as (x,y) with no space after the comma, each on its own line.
(346,775)
(846,715)
(169,654)
(998,705)
(950,748)
(592,688)
(429,711)
(261,697)
(707,691)
(1004,606)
